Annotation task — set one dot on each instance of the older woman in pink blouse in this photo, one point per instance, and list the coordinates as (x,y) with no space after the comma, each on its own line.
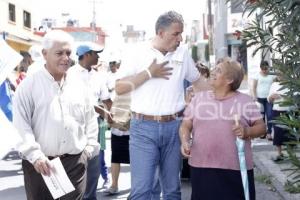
(209,118)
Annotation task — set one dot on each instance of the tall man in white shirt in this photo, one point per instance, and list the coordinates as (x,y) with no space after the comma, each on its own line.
(55,118)
(96,86)
(155,75)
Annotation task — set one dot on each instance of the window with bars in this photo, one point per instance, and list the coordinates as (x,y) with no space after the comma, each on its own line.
(26,19)
(12,12)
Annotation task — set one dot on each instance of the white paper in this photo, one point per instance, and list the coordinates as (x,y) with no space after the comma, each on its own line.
(9,136)
(58,182)
(9,59)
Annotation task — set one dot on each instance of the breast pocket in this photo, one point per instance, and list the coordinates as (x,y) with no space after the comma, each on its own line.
(77,113)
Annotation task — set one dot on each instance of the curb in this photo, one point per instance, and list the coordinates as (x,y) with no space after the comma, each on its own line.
(276,184)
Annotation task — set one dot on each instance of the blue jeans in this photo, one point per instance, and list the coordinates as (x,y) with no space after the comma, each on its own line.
(103,167)
(152,145)
(96,166)
(93,172)
(267,113)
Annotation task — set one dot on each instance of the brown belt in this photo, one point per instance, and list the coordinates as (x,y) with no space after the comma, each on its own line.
(162,118)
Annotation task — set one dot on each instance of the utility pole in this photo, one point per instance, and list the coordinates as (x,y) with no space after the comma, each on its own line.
(220,30)
(210,35)
(93,23)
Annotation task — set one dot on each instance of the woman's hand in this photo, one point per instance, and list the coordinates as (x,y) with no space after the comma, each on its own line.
(186,149)
(240,131)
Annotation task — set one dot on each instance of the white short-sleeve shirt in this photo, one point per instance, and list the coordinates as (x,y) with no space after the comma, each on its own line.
(263,85)
(95,81)
(159,96)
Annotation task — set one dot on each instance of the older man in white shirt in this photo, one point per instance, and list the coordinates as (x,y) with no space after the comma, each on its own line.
(55,118)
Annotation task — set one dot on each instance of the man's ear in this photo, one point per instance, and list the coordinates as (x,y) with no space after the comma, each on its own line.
(44,52)
(160,33)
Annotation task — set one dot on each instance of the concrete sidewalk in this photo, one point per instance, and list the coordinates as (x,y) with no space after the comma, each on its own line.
(263,152)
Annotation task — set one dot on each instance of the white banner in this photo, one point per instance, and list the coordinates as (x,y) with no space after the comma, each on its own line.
(9,59)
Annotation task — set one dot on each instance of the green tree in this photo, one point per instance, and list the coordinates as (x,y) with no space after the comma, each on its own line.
(276,30)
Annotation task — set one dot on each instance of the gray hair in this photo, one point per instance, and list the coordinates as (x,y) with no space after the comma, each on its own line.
(56,36)
(166,19)
(234,71)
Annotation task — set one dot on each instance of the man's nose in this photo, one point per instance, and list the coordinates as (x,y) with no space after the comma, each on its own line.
(180,38)
(66,55)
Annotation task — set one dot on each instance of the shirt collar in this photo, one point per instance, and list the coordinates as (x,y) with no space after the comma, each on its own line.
(79,68)
(51,78)
(47,73)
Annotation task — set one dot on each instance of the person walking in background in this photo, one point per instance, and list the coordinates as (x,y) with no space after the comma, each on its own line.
(98,92)
(119,138)
(212,154)
(154,75)
(112,75)
(55,118)
(101,68)
(21,74)
(35,52)
(261,88)
(280,134)
(119,154)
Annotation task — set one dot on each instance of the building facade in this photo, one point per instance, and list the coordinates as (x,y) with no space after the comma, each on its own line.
(16,25)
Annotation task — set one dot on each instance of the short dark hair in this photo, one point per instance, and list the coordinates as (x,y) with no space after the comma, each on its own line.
(264,64)
(81,57)
(166,19)
(111,63)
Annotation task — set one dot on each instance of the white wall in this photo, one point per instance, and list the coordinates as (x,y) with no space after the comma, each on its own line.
(17,28)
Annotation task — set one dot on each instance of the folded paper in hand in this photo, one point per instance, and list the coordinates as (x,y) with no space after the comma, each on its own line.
(58,182)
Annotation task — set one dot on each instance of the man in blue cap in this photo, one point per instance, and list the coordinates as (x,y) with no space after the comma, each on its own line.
(96,86)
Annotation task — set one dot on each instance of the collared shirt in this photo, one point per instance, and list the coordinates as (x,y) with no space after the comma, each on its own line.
(159,96)
(53,119)
(94,81)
